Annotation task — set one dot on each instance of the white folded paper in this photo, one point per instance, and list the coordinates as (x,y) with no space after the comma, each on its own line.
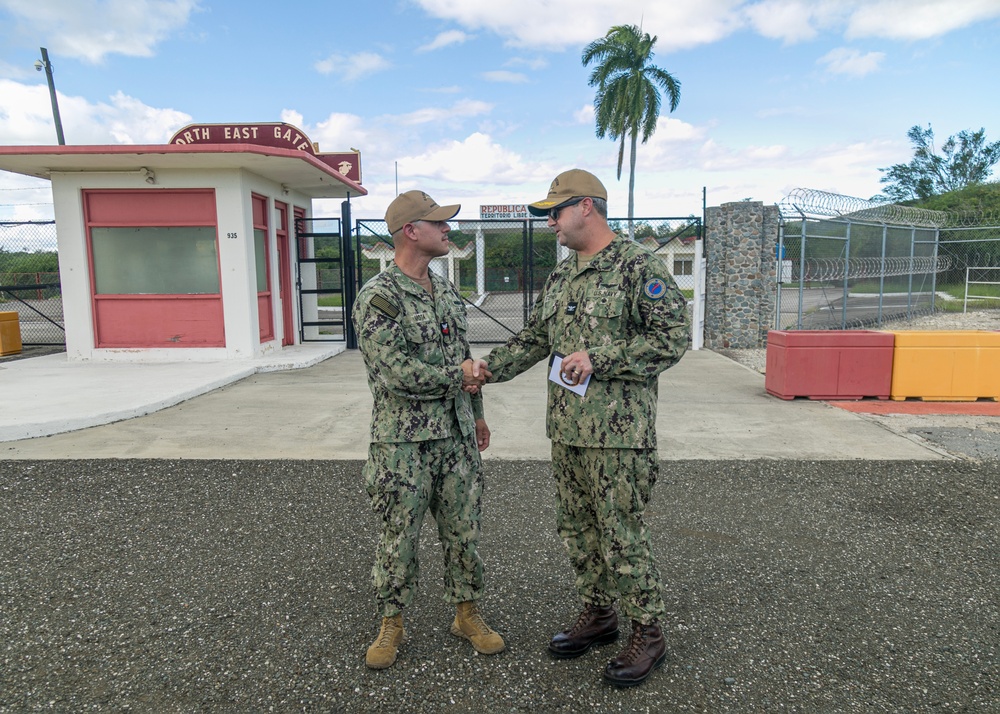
(555,375)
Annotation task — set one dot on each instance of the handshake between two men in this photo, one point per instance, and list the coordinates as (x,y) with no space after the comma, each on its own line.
(575,368)
(474,375)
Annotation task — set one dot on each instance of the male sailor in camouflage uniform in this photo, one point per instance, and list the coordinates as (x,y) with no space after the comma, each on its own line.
(615,316)
(426,432)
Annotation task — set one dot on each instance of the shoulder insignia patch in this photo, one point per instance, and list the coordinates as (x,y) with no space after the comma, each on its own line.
(655,288)
(384,306)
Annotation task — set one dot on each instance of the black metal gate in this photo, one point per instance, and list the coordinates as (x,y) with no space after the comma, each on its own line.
(324,270)
(499,266)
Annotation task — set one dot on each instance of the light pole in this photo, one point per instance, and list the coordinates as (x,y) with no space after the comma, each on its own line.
(41,64)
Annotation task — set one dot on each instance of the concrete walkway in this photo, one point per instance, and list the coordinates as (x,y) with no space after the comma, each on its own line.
(306,405)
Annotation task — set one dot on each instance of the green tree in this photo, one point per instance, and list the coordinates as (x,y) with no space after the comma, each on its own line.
(965,160)
(628,99)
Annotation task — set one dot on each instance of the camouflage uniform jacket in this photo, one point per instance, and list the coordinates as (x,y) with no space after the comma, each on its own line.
(413,344)
(625,310)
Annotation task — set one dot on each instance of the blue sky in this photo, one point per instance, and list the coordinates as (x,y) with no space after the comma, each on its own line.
(483,102)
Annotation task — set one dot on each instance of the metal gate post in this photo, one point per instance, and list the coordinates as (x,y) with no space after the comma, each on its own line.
(909,286)
(350,288)
(881,277)
(847,274)
(934,268)
(527,294)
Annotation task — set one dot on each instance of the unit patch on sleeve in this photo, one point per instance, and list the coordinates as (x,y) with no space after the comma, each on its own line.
(384,306)
(655,288)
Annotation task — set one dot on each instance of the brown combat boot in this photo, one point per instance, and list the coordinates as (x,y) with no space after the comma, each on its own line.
(595,626)
(470,625)
(644,653)
(382,653)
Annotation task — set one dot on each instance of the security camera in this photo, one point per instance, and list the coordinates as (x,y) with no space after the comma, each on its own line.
(38,65)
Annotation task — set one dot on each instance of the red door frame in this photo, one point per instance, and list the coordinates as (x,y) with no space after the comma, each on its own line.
(265,309)
(284,274)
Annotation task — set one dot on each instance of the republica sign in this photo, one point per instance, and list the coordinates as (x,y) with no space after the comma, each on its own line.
(277,135)
(506,211)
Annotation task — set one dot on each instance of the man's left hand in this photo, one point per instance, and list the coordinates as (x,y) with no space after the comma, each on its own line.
(482,435)
(576,367)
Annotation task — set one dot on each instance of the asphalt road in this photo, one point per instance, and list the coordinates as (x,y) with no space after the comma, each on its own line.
(243,586)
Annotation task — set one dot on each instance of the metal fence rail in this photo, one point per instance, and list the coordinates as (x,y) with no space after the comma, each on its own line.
(988,280)
(29,280)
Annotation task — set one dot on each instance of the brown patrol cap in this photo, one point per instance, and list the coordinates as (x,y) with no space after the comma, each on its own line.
(416,206)
(575,183)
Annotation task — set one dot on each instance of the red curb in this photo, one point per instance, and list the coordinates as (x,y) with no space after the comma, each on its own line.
(984,408)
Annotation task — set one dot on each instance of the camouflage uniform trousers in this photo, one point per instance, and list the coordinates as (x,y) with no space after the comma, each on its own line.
(404,481)
(601,495)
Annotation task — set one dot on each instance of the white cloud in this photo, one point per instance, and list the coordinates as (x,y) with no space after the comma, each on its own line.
(463,108)
(351,68)
(673,146)
(92,29)
(505,76)
(584,115)
(25,114)
(451,37)
(683,24)
(528,23)
(917,19)
(26,118)
(129,121)
(339,132)
(24,198)
(476,159)
(790,20)
(714,157)
(845,60)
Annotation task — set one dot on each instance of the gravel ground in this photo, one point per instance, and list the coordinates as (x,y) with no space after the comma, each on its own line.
(756,359)
(181,586)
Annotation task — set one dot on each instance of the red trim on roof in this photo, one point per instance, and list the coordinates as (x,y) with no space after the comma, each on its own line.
(168,149)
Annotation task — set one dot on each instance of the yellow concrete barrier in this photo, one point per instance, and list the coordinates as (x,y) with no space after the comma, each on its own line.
(10,334)
(947,366)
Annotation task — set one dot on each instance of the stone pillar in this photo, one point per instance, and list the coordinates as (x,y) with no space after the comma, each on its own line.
(740,243)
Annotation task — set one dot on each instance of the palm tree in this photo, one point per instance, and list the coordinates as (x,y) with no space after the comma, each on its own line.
(628,98)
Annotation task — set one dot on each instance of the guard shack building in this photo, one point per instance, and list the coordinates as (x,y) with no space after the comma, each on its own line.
(199,249)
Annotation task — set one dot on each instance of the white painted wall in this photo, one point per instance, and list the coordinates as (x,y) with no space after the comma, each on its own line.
(233,188)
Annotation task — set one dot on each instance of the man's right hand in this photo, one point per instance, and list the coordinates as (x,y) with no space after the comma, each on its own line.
(481,371)
(474,376)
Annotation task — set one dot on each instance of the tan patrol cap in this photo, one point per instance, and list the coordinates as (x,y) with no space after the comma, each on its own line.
(416,206)
(575,183)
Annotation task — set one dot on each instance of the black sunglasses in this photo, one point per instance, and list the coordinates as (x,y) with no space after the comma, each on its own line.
(554,212)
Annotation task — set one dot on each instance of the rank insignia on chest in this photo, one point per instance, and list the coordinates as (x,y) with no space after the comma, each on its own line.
(571,308)
(444,329)
(655,288)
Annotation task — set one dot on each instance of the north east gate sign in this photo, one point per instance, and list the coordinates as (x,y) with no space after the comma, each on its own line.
(277,135)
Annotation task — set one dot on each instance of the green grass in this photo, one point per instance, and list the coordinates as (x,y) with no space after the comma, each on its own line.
(330,301)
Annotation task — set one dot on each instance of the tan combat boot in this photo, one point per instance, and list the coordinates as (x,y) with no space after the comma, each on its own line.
(469,624)
(382,653)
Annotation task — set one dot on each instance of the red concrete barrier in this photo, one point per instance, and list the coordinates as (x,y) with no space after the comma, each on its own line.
(829,364)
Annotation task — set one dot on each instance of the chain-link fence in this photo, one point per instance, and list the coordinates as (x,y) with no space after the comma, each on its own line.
(837,274)
(865,264)
(499,266)
(29,280)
